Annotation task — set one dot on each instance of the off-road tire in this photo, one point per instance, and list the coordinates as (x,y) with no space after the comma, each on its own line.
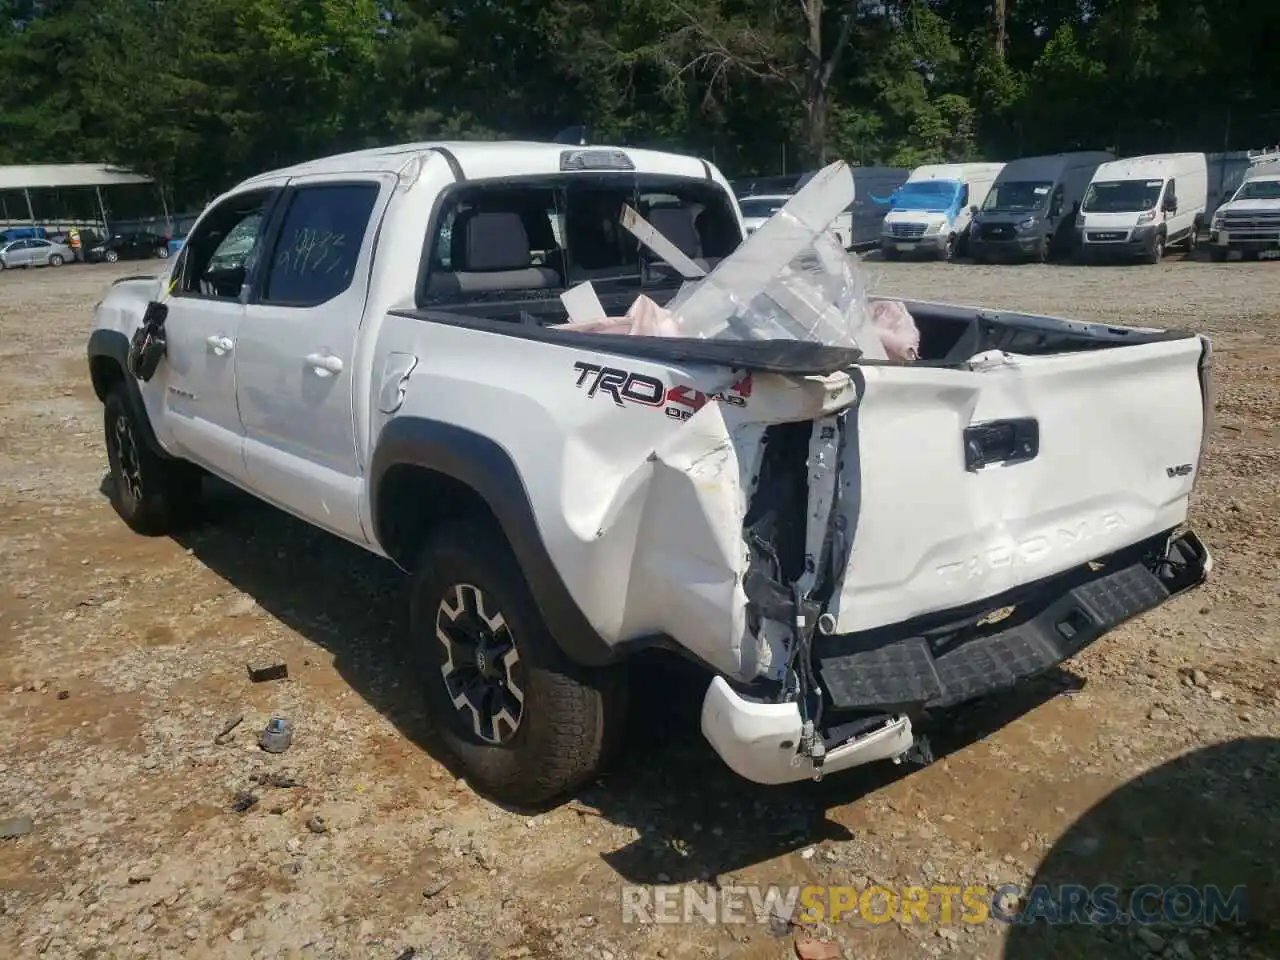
(571,717)
(152,494)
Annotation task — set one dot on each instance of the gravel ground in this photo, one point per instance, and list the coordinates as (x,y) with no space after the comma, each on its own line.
(1151,758)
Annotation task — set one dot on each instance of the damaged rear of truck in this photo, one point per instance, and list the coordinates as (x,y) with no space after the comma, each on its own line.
(847,542)
(850,547)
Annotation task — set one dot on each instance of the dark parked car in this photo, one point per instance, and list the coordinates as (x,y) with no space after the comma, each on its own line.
(129,246)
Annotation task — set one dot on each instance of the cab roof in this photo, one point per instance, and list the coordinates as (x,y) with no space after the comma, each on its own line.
(480,160)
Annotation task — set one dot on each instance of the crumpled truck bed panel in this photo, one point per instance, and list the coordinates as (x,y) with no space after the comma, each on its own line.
(639,492)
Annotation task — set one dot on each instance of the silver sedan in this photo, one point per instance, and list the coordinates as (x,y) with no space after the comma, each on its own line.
(34,252)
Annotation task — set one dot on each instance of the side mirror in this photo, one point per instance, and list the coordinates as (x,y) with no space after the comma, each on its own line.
(973,209)
(1171,204)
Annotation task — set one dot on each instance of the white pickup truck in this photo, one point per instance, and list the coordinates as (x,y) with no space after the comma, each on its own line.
(1250,220)
(844,544)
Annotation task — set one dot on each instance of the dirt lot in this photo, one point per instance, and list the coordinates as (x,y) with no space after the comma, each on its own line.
(1151,758)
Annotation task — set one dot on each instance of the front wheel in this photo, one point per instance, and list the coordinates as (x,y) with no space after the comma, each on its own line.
(526,724)
(1218,254)
(162,253)
(55,260)
(112,256)
(151,494)
(1156,253)
(949,248)
(889,253)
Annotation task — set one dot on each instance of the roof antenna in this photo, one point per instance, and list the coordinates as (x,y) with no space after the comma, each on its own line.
(575,136)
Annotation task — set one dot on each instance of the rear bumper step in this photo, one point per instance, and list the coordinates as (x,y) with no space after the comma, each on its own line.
(924,672)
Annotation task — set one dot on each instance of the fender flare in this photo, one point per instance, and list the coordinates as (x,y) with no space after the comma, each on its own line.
(486,468)
(114,345)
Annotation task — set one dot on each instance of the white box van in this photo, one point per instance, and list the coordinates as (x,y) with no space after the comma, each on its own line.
(931,212)
(1250,220)
(1141,206)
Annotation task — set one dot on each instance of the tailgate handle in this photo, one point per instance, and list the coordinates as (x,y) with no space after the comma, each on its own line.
(1001,441)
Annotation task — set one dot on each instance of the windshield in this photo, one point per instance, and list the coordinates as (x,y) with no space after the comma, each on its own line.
(760,208)
(1259,190)
(1018,196)
(926,195)
(1121,196)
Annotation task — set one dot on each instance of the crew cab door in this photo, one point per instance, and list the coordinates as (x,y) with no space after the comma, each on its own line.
(206,304)
(296,357)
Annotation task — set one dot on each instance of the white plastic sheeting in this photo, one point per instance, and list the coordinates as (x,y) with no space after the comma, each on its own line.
(789,280)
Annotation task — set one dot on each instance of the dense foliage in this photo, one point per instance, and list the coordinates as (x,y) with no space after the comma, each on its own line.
(201,92)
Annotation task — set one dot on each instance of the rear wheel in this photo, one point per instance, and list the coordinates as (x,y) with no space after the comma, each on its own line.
(153,495)
(526,724)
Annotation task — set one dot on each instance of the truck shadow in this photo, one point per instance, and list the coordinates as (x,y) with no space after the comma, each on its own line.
(1190,849)
(695,818)
(698,821)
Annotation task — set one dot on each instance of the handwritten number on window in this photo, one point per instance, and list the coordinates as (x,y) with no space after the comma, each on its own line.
(313,251)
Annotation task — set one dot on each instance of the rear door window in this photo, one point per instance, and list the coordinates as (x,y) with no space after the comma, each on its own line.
(321,233)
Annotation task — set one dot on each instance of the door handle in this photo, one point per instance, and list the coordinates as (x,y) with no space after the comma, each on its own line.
(221,345)
(1001,441)
(324,364)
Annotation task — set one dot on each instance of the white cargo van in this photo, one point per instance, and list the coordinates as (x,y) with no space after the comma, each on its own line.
(1250,220)
(931,212)
(1141,206)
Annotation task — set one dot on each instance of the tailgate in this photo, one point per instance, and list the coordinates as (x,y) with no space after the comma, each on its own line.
(961,484)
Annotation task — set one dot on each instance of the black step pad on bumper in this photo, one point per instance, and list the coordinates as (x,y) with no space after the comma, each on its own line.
(909,673)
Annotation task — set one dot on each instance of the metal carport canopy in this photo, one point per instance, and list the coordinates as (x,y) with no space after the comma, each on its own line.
(34,176)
